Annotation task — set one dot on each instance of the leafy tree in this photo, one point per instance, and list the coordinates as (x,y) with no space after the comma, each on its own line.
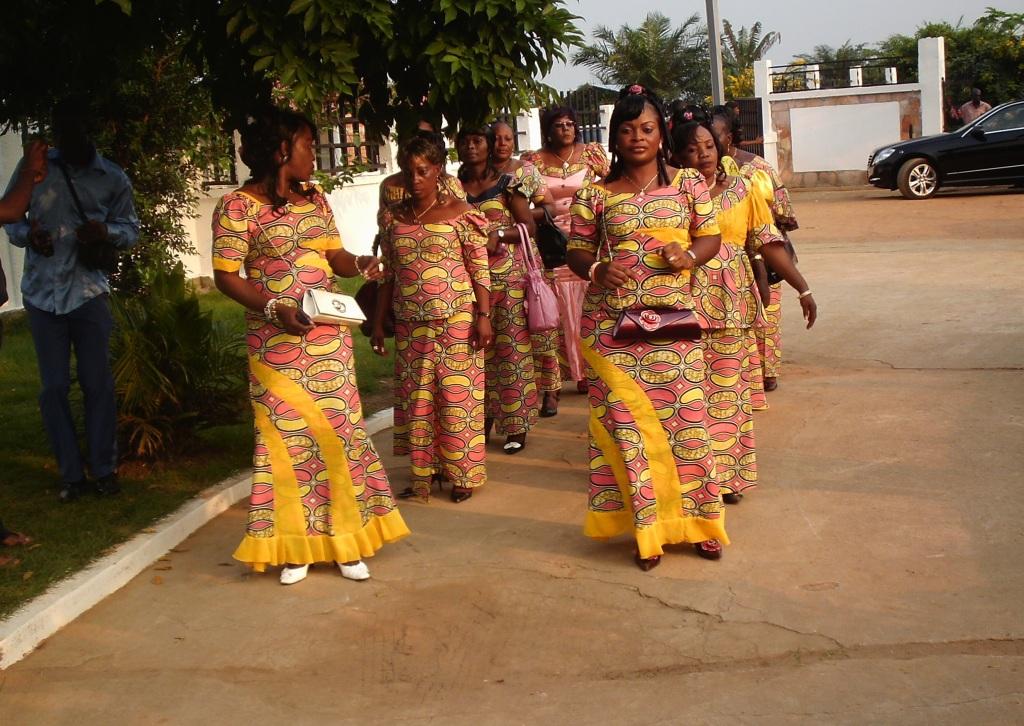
(739,51)
(989,54)
(401,60)
(674,62)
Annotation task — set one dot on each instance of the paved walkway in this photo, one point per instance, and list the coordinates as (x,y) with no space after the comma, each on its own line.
(875,577)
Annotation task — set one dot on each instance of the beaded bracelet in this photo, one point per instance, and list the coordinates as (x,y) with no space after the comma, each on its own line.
(270,311)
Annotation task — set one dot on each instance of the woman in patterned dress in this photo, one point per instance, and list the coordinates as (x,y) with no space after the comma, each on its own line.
(636,236)
(726,299)
(319,493)
(511,379)
(545,344)
(393,191)
(566,165)
(436,280)
(740,162)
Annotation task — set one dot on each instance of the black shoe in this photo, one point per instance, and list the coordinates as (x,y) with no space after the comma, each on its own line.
(70,491)
(108,486)
(730,498)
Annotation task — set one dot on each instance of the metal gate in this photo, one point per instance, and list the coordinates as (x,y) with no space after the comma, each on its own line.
(586,103)
(753,125)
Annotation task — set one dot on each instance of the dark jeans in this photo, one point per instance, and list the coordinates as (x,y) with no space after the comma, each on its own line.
(88,329)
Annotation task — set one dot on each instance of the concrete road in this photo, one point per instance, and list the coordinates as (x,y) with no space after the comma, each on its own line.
(874,577)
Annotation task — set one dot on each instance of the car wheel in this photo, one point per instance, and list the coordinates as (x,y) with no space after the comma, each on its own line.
(917,179)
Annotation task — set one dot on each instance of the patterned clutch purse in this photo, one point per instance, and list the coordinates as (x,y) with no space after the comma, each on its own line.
(648,323)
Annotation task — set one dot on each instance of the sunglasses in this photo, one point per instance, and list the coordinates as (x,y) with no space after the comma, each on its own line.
(564,125)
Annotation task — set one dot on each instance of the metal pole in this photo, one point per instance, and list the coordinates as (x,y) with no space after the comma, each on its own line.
(715,47)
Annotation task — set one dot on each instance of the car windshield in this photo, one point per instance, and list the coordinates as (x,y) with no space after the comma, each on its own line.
(1006,119)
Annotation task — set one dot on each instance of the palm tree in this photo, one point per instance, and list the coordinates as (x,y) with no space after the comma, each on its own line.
(673,62)
(847,52)
(836,62)
(740,50)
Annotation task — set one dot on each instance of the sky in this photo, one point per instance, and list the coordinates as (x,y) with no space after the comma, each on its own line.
(803,24)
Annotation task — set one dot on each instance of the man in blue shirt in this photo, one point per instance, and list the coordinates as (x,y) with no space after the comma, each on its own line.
(67,301)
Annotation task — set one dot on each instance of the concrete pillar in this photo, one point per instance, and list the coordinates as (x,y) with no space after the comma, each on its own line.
(856,77)
(606,122)
(931,74)
(241,170)
(891,77)
(528,127)
(763,91)
(12,258)
(812,76)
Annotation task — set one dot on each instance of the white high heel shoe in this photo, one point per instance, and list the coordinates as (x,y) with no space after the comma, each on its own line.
(291,575)
(358,571)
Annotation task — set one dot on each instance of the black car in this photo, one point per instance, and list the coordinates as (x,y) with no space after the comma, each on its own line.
(989,150)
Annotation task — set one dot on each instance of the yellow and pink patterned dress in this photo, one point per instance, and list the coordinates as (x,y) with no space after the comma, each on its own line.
(319,491)
(393,191)
(728,306)
(652,468)
(439,373)
(545,344)
(768,331)
(587,163)
(512,401)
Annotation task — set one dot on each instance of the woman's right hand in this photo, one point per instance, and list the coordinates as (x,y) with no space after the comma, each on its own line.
(293,320)
(613,275)
(377,340)
(484,333)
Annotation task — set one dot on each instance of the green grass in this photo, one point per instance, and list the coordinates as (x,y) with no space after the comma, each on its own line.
(68,537)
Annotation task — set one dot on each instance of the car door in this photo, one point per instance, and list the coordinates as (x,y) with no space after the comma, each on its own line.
(991,150)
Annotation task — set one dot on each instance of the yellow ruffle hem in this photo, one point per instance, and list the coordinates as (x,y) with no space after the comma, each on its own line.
(258,552)
(651,539)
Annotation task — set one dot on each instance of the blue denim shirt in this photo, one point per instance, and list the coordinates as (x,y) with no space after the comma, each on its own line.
(58,284)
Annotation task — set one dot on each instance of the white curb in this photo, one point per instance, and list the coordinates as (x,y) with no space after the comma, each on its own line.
(40,618)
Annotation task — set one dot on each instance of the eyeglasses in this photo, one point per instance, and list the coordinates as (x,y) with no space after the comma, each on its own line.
(564,125)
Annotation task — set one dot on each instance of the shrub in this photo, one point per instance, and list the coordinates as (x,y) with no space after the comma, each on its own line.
(175,368)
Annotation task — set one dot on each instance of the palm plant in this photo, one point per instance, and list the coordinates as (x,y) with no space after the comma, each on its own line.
(673,62)
(835,66)
(740,49)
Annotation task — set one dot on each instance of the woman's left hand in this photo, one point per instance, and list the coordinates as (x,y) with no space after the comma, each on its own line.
(810,309)
(484,333)
(676,257)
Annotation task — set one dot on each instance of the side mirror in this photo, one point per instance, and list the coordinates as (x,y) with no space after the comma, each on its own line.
(978,133)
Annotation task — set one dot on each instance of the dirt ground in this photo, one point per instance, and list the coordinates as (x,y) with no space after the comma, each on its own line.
(875,576)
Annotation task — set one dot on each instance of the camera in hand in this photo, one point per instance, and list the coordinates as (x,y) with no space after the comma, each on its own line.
(95,250)
(41,242)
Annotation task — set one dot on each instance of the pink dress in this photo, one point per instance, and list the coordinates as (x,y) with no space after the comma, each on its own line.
(588,164)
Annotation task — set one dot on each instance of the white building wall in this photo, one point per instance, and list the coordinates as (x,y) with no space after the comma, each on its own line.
(11,257)
(837,138)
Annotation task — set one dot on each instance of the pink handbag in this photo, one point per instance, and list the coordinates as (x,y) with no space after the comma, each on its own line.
(541,303)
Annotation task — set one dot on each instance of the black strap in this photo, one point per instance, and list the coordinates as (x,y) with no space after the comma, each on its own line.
(74,192)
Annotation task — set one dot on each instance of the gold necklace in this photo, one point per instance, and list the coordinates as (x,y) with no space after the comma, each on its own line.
(643,189)
(432,205)
(565,162)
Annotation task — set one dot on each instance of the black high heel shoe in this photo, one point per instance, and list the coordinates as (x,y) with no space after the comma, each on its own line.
(461,494)
(550,405)
(409,492)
